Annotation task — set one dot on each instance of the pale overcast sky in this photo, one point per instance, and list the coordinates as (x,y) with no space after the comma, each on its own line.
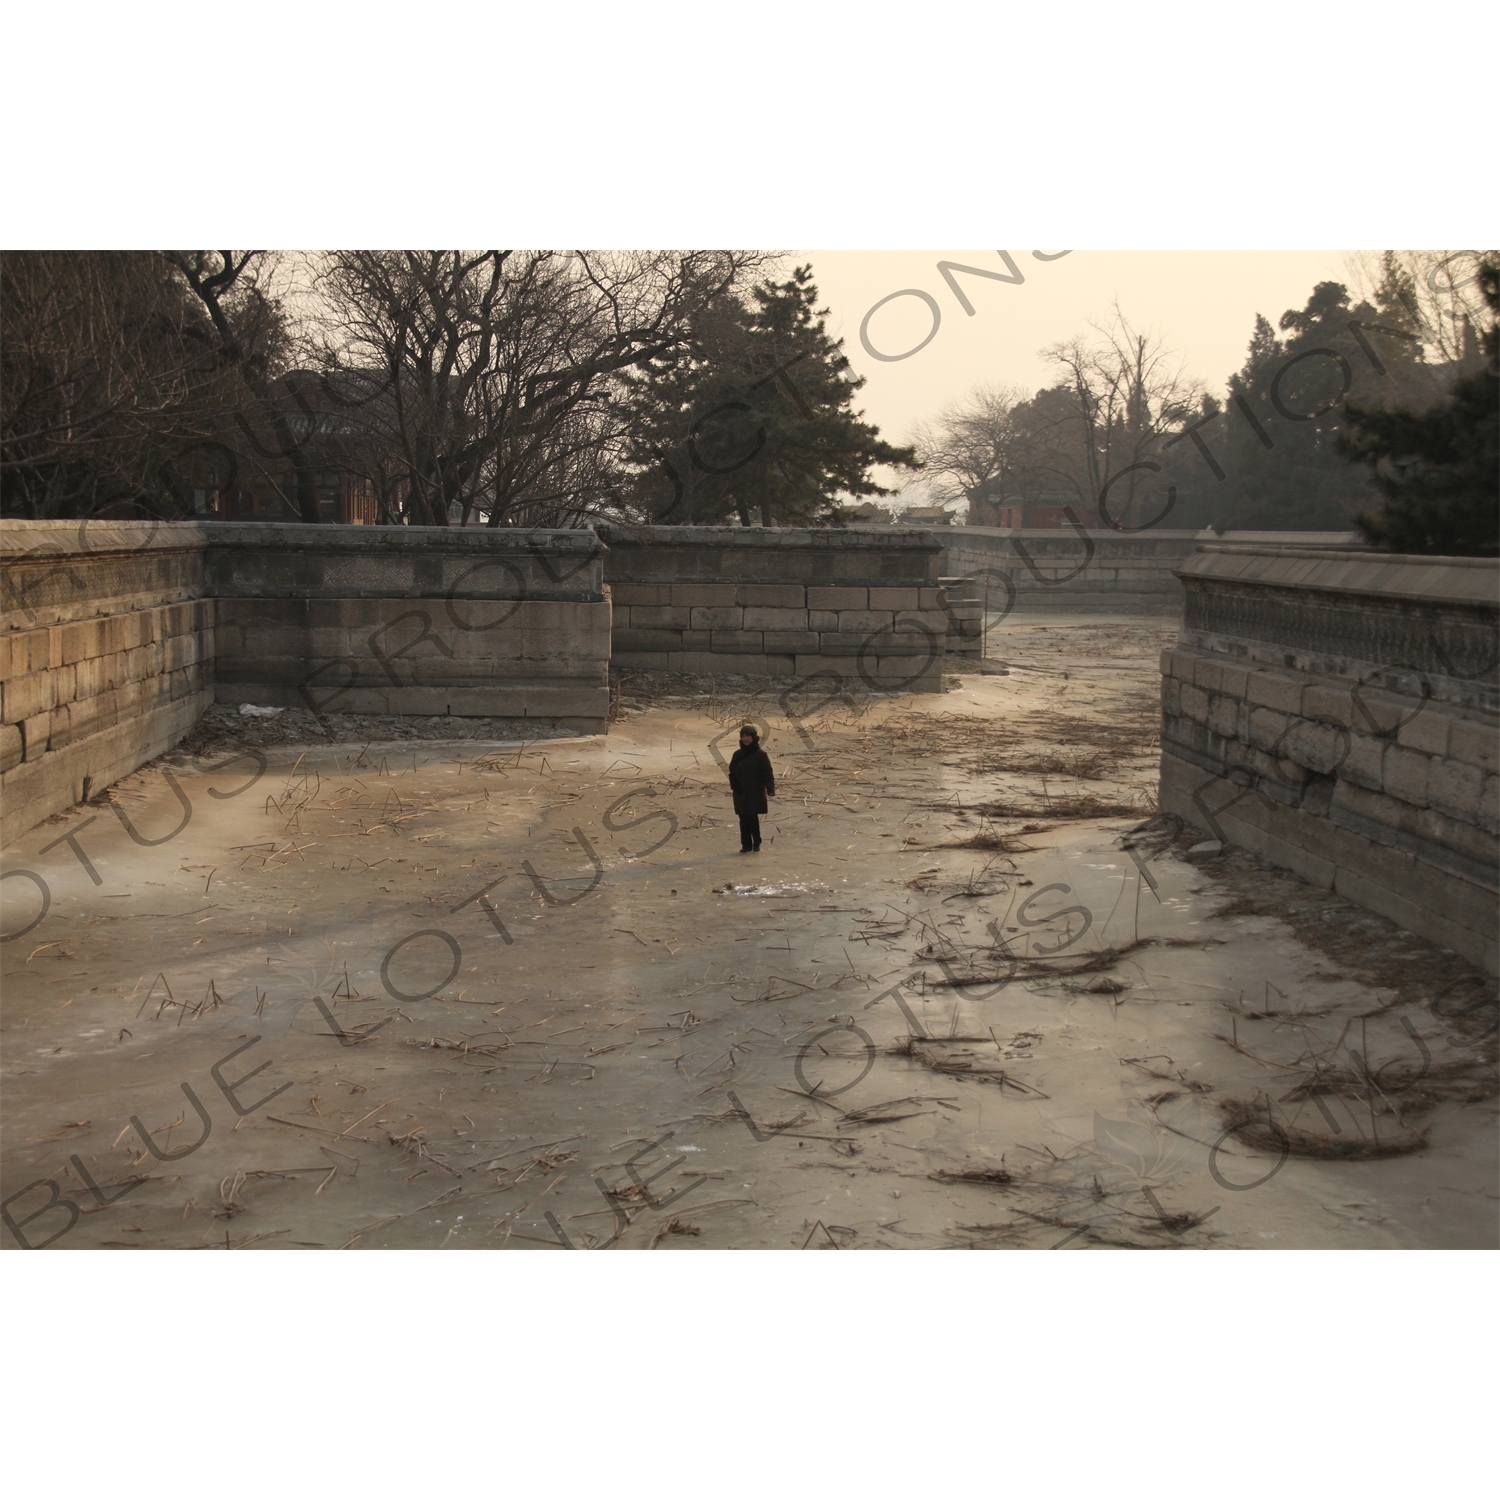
(1203,302)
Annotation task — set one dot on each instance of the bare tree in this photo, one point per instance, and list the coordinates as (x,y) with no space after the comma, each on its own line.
(1436,293)
(497,369)
(103,383)
(246,336)
(972,446)
(1129,392)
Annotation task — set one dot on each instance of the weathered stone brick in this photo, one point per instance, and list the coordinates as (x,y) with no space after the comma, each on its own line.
(91,676)
(1194,703)
(1266,730)
(1207,673)
(36,733)
(762,618)
(1275,690)
(837,598)
(406,700)
(1455,789)
(704,595)
(1289,777)
(64,684)
(863,621)
(771,595)
(895,599)
(12,750)
(738,641)
(1426,731)
(782,642)
(720,617)
(653,661)
(1233,679)
(144,624)
(1474,744)
(1489,805)
(1183,663)
(26,697)
(822,619)
(839,643)
(1329,705)
(115,668)
(915,621)
(77,721)
(888,643)
(1403,774)
(1375,711)
(641,593)
(30,651)
(78,642)
(1224,715)
(659,617)
(630,639)
(116,633)
(1319,747)
(830,679)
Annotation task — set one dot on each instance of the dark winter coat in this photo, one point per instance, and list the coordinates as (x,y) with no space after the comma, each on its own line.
(751,778)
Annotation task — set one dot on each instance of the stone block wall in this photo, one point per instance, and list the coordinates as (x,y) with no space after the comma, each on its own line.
(965,606)
(1085,568)
(472,622)
(1339,714)
(117,635)
(106,656)
(1071,569)
(778,603)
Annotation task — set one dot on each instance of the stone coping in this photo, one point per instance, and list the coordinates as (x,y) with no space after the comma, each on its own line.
(1470,581)
(761,538)
(1097,533)
(1341,540)
(410,540)
(22,539)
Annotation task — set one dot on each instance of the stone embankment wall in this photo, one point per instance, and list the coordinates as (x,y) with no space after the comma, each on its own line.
(472,622)
(1338,713)
(106,656)
(779,603)
(964,606)
(1078,569)
(119,635)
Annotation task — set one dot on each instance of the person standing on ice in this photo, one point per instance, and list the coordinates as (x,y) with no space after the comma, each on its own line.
(752,780)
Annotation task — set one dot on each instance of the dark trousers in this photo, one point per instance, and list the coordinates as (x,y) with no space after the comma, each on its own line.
(750,831)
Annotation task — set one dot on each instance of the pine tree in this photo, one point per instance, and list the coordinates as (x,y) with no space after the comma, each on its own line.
(1284,415)
(755,420)
(1437,468)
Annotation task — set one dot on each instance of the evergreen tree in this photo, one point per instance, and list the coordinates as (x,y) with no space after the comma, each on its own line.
(1283,417)
(1437,469)
(754,420)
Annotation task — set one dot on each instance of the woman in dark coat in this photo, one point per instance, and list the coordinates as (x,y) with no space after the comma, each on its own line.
(752,780)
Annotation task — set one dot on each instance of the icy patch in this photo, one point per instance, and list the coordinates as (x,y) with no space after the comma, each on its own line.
(791,888)
(255,711)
